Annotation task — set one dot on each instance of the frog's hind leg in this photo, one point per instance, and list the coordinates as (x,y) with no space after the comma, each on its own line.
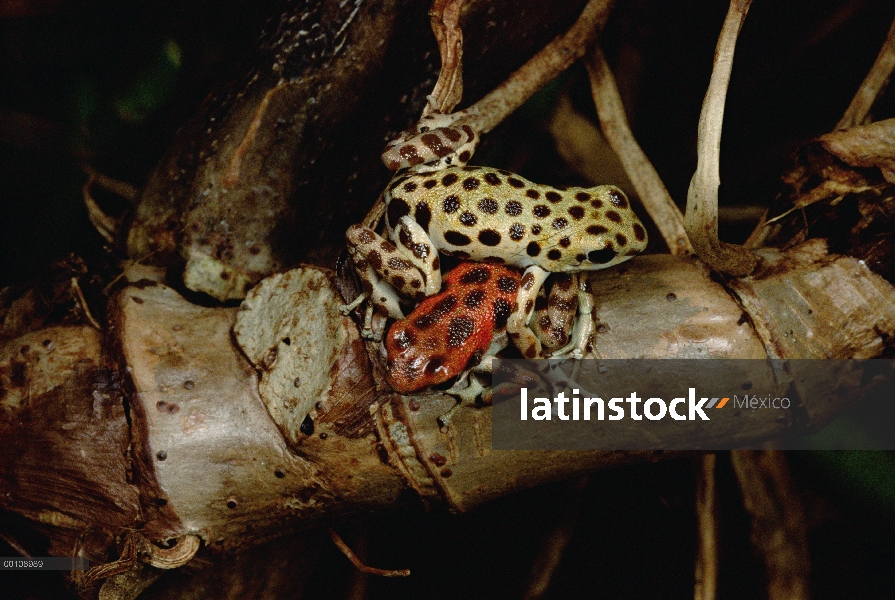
(583,331)
(554,314)
(517,325)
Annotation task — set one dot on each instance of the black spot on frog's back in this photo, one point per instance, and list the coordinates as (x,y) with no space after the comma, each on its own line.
(397,208)
(507,285)
(459,330)
(468,219)
(423,216)
(513,208)
(434,316)
(488,206)
(450,204)
(617,199)
(455,238)
(474,299)
(489,237)
(639,232)
(517,231)
(603,256)
(477,275)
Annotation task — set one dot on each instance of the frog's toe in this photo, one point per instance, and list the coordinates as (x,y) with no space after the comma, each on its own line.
(469,393)
(346,309)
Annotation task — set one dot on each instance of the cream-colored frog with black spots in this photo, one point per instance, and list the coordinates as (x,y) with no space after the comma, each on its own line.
(493,216)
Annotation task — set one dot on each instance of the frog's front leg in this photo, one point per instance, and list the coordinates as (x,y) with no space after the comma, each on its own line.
(517,325)
(385,272)
(469,385)
(420,251)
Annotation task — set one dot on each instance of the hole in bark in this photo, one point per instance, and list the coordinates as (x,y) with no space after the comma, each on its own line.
(307,426)
(231,503)
(279,473)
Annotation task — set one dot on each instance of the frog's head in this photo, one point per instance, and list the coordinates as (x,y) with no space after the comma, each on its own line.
(431,149)
(599,230)
(412,361)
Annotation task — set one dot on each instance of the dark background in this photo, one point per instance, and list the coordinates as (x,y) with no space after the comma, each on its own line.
(108,83)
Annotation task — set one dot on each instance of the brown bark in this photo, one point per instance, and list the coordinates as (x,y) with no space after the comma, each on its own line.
(208,459)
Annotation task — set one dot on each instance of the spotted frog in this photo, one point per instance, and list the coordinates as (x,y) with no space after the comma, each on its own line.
(436,204)
(459,329)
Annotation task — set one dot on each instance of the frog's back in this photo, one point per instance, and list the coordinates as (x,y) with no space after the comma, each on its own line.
(451,331)
(492,215)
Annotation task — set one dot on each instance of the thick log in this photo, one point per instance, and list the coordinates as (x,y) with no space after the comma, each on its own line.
(193,445)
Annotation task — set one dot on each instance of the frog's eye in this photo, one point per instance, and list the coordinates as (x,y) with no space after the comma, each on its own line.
(601,256)
(447,160)
(424,129)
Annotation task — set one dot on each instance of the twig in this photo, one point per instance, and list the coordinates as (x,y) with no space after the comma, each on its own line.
(448,90)
(105,225)
(121,188)
(873,85)
(83,302)
(779,530)
(701,220)
(553,59)
(14,545)
(649,186)
(358,589)
(547,562)
(707,521)
(361,566)
(553,548)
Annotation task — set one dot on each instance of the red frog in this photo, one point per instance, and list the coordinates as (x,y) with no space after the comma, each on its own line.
(453,330)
